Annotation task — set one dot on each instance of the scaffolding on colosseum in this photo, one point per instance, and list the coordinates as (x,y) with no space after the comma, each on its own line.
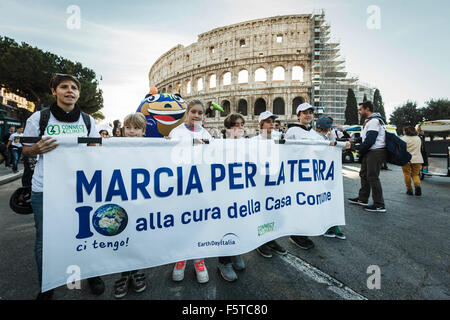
(329,78)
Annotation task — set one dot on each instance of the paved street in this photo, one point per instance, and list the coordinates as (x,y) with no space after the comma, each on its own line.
(409,243)
(7,175)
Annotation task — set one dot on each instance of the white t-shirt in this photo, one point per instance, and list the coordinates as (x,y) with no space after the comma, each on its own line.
(54,128)
(298,133)
(261,137)
(14,138)
(183,133)
(276,135)
(375,125)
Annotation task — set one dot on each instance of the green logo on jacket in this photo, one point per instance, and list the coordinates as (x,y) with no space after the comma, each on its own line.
(53,130)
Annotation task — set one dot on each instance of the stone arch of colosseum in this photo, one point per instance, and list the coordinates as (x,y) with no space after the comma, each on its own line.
(279,45)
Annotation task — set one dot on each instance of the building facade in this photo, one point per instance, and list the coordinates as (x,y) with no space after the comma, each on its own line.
(15,101)
(11,109)
(270,64)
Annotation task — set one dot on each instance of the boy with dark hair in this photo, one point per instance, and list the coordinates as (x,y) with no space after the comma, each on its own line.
(66,90)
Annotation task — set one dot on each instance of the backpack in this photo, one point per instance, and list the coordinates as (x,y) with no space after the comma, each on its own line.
(396,148)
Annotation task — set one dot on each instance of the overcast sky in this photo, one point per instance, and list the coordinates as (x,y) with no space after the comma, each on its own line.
(406,58)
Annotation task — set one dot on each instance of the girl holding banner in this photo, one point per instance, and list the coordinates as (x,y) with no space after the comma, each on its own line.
(189,130)
(134,127)
(192,128)
(234,129)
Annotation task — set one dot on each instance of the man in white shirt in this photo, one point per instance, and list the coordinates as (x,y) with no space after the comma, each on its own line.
(373,153)
(16,147)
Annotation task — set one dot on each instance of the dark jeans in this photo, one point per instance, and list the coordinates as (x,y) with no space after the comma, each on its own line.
(16,153)
(27,172)
(37,205)
(369,174)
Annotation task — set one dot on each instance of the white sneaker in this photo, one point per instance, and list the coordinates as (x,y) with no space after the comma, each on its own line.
(201,271)
(178,271)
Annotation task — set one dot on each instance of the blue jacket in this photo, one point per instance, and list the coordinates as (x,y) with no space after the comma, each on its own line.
(371,136)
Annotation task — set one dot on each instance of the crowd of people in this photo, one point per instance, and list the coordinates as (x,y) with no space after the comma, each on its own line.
(66,90)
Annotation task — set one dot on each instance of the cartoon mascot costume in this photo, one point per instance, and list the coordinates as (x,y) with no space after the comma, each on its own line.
(163,112)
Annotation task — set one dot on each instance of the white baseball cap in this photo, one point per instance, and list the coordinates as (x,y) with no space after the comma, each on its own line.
(265,115)
(304,106)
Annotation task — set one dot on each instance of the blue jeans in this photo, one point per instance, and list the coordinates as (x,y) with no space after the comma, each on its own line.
(16,152)
(37,205)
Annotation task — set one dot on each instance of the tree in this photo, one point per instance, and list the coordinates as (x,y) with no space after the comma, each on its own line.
(351,110)
(23,114)
(378,105)
(98,115)
(436,110)
(406,115)
(26,71)
(365,98)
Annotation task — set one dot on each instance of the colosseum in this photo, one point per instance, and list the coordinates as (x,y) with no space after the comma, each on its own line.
(271,64)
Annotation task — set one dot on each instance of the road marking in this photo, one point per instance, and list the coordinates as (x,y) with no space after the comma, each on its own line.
(22,227)
(315,274)
(352,168)
(350,174)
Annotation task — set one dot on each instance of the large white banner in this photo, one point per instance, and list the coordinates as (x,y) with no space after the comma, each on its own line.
(137,203)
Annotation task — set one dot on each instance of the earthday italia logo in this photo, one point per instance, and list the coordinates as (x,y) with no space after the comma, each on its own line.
(228,239)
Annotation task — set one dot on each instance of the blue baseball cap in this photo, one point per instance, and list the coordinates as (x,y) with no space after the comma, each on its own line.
(324,123)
